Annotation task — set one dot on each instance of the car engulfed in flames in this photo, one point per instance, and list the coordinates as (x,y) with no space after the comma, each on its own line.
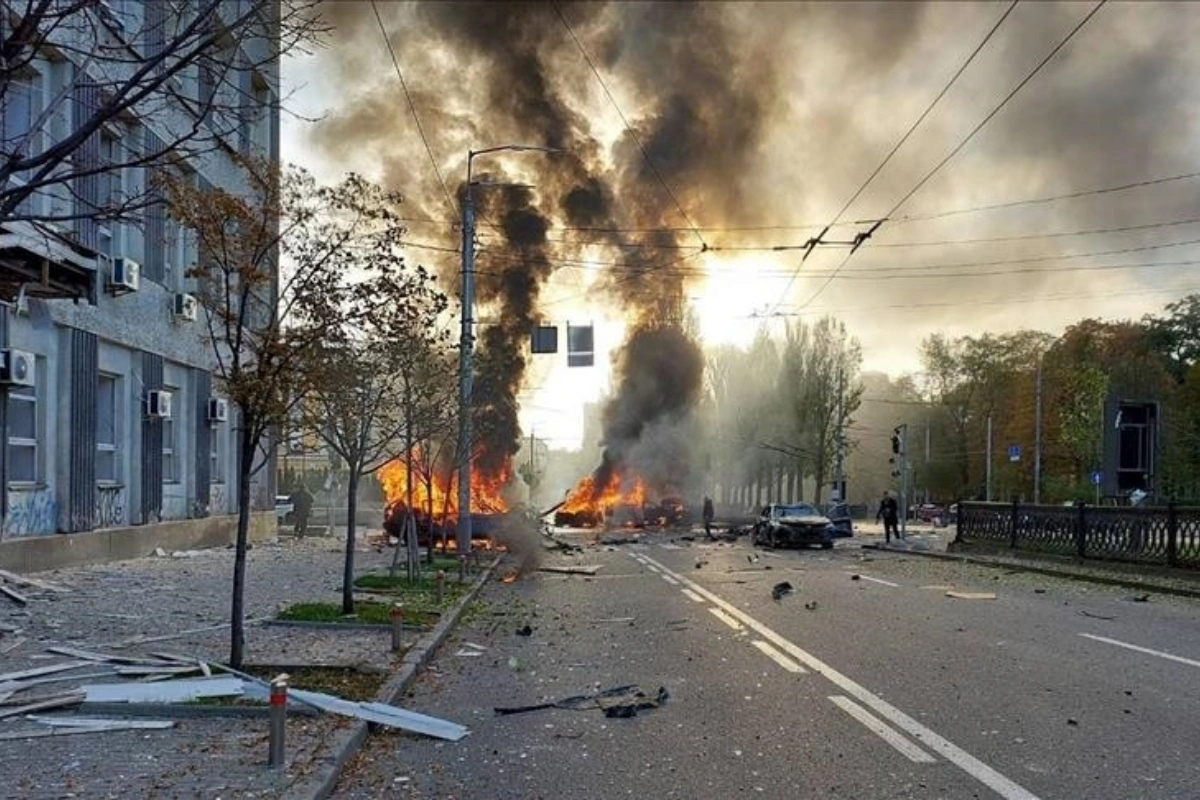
(622,502)
(435,507)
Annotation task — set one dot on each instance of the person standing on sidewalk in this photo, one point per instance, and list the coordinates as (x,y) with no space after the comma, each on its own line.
(889,512)
(302,502)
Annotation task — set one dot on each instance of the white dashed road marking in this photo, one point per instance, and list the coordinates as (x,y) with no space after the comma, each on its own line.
(877,727)
(879,580)
(998,783)
(692,595)
(1146,650)
(728,620)
(670,580)
(779,658)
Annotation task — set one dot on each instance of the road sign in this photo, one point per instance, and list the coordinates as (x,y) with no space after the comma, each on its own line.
(1014,452)
(1096,476)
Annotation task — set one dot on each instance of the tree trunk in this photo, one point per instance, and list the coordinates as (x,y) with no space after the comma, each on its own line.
(351,513)
(237,627)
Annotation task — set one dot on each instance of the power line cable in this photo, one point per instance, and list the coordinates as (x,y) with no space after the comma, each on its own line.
(1040,200)
(911,130)
(629,128)
(413,109)
(937,167)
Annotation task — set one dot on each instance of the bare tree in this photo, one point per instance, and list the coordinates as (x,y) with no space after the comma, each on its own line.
(368,381)
(266,324)
(89,94)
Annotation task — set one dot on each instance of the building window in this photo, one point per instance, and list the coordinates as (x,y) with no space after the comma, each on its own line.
(170,454)
(23,431)
(215,471)
(20,101)
(106,430)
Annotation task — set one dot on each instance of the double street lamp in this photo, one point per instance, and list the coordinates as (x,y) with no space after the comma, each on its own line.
(467,340)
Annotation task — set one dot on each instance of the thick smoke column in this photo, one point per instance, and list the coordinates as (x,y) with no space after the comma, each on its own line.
(535,86)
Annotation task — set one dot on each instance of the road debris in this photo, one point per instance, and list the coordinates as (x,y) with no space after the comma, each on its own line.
(525,631)
(781,590)
(383,714)
(1139,598)
(971,595)
(14,595)
(615,619)
(1096,616)
(173,691)
(811,605)
(856,577)
(34,583)
(67,726)
(580,570)
(620,702)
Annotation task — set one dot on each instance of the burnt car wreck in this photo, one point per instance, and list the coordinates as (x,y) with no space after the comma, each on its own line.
(793,525)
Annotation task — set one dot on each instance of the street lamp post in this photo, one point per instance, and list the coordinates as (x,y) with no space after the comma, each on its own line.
(467,341)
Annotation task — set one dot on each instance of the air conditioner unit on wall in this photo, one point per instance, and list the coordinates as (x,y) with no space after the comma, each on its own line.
(185,307)
(124,275)
(17,368)
(158,404)
(218,409)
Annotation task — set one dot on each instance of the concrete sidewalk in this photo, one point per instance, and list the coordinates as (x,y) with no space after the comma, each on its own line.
(112,607)
(935,543)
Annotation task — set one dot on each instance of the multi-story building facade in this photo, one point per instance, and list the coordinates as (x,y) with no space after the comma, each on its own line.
(115,430)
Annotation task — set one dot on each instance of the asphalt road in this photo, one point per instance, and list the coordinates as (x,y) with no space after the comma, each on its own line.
(875,686)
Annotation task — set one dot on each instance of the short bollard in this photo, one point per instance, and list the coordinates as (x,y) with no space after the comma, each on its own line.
(397,617)
(441,586)
(278,722)
(462,567)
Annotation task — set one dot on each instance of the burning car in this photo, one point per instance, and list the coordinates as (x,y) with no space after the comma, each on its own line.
(669,511)
(782,525)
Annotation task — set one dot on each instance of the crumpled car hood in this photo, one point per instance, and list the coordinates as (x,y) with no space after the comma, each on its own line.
(808,520)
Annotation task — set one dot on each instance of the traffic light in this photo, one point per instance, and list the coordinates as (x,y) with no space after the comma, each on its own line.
(896,443)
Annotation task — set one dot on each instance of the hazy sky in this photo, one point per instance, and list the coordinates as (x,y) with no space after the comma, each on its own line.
(763,120)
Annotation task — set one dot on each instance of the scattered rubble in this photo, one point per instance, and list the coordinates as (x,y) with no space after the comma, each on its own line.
(781,590)
(158,679)
(971,595)
(621,702)
(572,570)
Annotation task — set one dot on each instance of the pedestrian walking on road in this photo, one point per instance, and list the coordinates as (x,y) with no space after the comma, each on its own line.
(708,516)
(889,512)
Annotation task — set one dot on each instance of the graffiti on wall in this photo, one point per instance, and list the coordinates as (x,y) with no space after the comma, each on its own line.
(217,501)
(110,507)
(31,513)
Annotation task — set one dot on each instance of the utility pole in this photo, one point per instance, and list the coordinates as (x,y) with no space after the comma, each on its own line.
(988,466)
(839,478)
(466,367)
(927,500)
(904,480)
(1037,435)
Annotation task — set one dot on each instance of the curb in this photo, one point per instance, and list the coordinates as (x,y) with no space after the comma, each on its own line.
(346,743)
(339,626)
(1054,572)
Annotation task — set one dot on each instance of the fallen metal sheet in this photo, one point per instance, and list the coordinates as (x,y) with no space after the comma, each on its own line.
(620,701)
(175,691)
(90,656)
(139,670)
(465,653)
(47,670)
(22,580)
(580,570)
(972,595)
(127,725)
(44,704)
(14,595)
(97,722)
(29,683)
(384,715)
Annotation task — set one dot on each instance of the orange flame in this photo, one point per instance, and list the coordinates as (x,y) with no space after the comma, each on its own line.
(586,497)
(487,491)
